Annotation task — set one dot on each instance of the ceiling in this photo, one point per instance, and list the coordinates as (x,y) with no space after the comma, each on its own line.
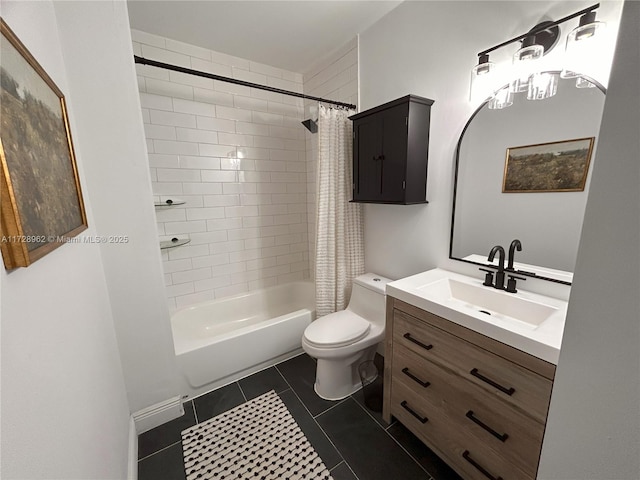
(293,35)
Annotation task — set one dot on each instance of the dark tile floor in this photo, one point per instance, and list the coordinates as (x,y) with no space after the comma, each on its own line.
(353,441)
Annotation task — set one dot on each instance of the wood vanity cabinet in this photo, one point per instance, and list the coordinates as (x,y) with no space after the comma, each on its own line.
(390,152)
(479,404)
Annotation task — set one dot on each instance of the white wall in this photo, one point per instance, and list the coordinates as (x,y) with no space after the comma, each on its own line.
(593,431)
(102,83)
(64,405)
(419,48)
(334,77)
(236,155)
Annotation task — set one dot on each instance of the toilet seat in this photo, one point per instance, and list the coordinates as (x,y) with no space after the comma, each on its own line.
(337,330)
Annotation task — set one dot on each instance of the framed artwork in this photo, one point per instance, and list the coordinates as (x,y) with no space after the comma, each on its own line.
(41,200)
(548,167)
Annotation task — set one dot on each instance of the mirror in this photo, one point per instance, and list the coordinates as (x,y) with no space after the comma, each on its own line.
(548,223)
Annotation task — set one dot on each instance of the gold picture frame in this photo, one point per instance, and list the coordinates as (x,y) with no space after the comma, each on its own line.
(41,204)
(548,167)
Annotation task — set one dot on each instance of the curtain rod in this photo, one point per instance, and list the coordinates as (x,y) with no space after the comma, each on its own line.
(175,68)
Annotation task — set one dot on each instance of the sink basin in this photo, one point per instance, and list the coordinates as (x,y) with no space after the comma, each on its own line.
(488,301)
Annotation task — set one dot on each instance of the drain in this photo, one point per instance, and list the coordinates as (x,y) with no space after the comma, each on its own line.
(485,312)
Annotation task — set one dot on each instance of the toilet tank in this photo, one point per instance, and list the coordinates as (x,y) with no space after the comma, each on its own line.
(368,297)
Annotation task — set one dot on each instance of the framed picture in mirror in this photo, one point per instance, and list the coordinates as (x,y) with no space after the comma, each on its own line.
(548,167)
(40,197)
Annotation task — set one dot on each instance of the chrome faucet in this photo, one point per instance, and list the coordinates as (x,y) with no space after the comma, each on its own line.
(499,284)
(515,245)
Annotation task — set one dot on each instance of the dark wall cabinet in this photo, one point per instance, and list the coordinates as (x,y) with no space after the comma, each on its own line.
(390,152)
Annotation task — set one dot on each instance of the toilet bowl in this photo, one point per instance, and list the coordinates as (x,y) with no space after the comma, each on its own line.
(341,341)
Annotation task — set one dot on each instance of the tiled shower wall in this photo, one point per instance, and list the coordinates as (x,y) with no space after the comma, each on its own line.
(336,78)
(236,156)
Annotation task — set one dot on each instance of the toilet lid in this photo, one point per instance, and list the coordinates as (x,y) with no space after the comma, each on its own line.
(337,329)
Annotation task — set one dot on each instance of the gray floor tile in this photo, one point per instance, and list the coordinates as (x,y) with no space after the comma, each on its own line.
(370,452)
(165,465)
(342,472)
(263,382)
(218,401)
(166,434)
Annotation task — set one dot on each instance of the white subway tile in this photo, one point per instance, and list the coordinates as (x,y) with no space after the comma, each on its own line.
(248,76)
(202,188)
(298,228)
(258,199)
(188,49)
(189,251)
(192,201)
(286,132)
(182,289)
(204,163)
(230,60)
(169,89)
(228,247)
(283,109)
(224,224)
(244,255)
(141,84)
(243,233)
(210,261)
(196,136)
(235,139)
(237,164)
(292,76)
(267,118)
(146,118)
(166,188)
(285,155)
(160,117)
(243,277)
(167,280)
(210,150)
(155,102)
(298,247)
(158,160)
(297,166)
(217,124)
(296,187)
(234,114)
(205,213)
(241,211)
(195,108)
(232,88)
(153,175)
(275,251)
(252,222)
(268,142)
(213,97)
(171,147)
(274,231)
(250,103)
(260,263)
(270,166)
(147,71)
(289,239)
(252,129)
(212,283)
(266,95)
(271,188)
(298,145)
(232,188)
(208,237)
(177,265)
(284,84)
(254,177)
(297,208)
(218,176)
(290,277)
(261,242)
(211,67)
(278,270)
(255,153)
(173,228)
(192,80)
(273,209)
(191,275)
(159,132)
(166,56)
(290,258)
(262,283)
(221,200)
(170,214)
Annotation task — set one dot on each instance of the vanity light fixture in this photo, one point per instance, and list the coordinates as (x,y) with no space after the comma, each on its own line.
(527,61)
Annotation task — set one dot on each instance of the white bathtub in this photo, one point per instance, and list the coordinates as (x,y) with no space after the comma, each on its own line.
(219,341)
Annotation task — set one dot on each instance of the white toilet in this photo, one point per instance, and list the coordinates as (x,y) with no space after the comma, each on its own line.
(341,341)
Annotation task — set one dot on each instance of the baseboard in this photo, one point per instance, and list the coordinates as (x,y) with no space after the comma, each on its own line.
(157,414)
(132,473)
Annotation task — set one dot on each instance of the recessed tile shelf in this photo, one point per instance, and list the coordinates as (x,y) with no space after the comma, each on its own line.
(169,202)
(174,242)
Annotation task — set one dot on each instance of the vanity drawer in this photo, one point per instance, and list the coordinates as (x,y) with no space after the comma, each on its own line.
(452,443)
(505,380)
(505,430)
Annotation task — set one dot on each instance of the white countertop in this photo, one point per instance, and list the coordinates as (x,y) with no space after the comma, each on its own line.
(543,341)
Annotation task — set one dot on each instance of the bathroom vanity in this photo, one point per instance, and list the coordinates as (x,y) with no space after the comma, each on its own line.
(475,390)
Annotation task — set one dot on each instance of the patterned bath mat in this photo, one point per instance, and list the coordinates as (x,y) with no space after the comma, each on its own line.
(257,440)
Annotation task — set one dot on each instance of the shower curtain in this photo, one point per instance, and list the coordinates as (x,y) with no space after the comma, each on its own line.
(339,228)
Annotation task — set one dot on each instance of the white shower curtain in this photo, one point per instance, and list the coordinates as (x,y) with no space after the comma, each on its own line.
(339,228)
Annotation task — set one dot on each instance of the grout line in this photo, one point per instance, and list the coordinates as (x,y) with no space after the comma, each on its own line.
(407,452)
(364,407)
(195,412)
(393,422)
(241,391)
(339,402)
(161,450)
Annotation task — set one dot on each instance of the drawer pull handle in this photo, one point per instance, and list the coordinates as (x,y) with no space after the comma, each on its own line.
(422,419)
(406,371)
(417,342)
(474,419)
(508,391)
(479,467)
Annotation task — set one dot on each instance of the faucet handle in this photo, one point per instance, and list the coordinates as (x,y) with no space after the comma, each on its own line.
(488,278)
(511,283)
